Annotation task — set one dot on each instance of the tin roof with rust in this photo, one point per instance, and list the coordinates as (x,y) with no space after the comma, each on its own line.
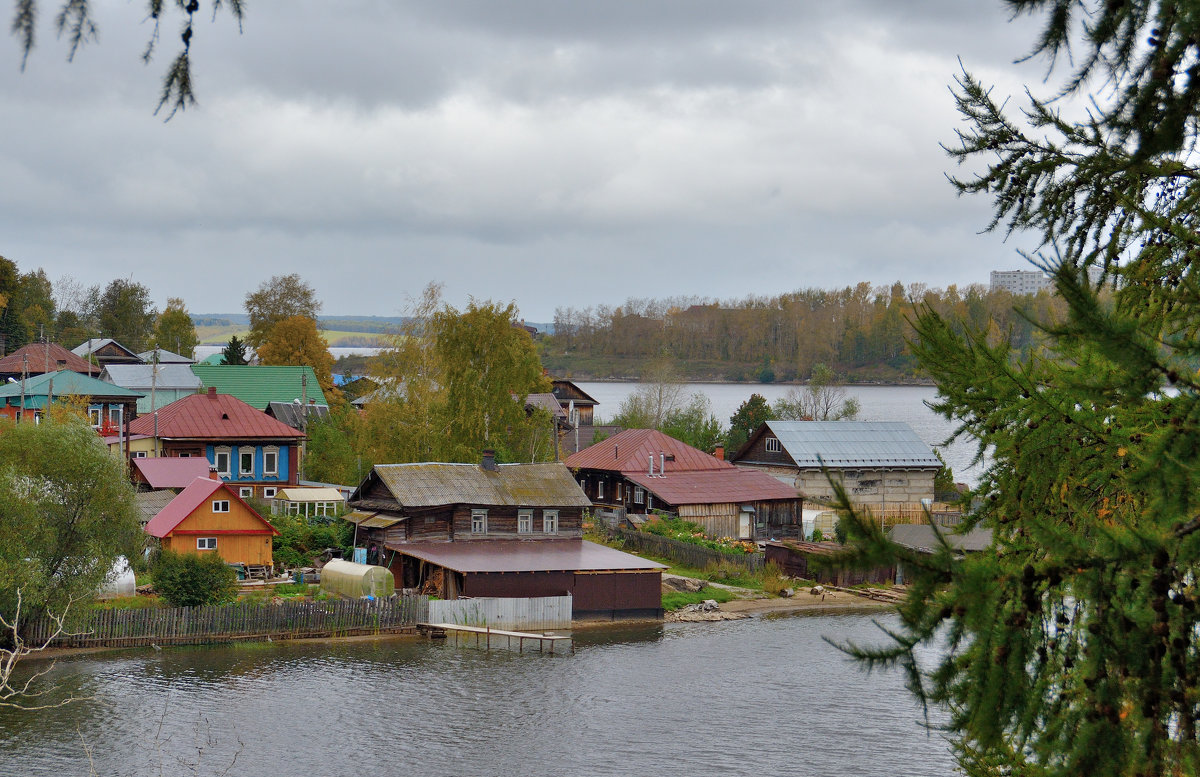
(437,484)
(630,451)
(566,555)
(714,486)
(38,358)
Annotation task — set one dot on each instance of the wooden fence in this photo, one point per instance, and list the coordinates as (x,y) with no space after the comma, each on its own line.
(686,553)
(239,621)
(546,612)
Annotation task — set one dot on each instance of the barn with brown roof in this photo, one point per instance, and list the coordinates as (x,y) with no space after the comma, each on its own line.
(507,530)
(644,470)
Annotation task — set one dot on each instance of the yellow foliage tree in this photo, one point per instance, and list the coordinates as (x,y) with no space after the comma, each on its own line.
(296,341)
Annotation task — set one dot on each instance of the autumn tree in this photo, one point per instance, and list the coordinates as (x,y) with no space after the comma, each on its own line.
(277,299)
(295,340)
(1070,645)
(125,313)
(454,383)
(35,301)
(175,330)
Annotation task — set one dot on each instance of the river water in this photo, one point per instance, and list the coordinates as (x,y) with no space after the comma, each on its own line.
(766,696)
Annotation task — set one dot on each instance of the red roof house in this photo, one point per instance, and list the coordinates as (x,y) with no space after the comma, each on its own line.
(209,517)
(249,448)
(640,470)
(40,358)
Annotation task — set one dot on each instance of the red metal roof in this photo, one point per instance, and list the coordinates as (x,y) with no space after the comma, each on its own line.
(43,354)
(171,472)
(566,555)
(191,498)
(630,451)
(212,416)
(707,487)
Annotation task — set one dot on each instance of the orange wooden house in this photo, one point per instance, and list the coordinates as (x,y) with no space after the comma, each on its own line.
(209,517)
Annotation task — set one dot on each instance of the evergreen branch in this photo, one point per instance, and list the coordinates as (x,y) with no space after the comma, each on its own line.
(75,17)
(23,24)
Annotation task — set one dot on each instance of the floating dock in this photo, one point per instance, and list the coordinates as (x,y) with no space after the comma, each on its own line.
(498,639)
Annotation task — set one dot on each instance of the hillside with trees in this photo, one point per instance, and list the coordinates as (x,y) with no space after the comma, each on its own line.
(861,332)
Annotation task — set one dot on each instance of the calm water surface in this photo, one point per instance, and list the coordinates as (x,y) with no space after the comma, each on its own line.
(764,696)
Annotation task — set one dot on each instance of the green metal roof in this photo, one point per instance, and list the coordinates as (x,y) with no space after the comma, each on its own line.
(258,385)
(65,382)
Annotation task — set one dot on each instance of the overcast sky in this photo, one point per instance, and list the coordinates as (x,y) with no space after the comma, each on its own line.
(545,152)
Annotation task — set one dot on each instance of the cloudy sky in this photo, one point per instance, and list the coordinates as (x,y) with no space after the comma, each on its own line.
(550,153)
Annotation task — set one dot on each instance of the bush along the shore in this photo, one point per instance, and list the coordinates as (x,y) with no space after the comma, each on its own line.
(687,531)
(190,580)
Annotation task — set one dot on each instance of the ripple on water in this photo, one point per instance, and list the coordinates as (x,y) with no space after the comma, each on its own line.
(760,696)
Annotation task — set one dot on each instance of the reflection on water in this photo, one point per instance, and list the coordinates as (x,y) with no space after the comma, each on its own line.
(762,696)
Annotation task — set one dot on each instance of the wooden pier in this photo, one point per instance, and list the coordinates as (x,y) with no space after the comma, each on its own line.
(500,639)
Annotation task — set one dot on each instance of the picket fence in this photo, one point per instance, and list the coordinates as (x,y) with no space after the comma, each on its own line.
(231,622)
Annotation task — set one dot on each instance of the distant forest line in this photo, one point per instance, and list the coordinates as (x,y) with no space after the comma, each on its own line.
(861,332)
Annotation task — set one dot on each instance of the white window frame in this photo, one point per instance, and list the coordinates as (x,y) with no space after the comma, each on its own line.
(114,413)
(524,521)
(550,521)
(185,455)
(246,492)
(478,521)
(268,493)
(599,488)
(325,508)
(220,506)
(95,417)
(206,543)
(271,454)
(243,471)
(227,472)
(639,495)
(618,491)
(141,454)
(773,445)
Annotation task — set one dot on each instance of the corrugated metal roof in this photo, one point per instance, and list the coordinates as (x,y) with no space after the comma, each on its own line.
(88,347)
(714,487)
(292,413)
(67,382)
(295,494)
(369,520)
(164,357)
(547,402)
(853,444)
(141,376)
(172,472)
(212,417)
(567,555)
(44,357)
(259,385)
(434,484)
(630,451)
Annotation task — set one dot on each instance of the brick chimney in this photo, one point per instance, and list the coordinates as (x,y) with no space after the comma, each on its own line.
(719,453)
(212,392)
(489,460)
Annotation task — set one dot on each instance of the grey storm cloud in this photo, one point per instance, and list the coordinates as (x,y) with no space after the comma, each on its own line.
(556,154)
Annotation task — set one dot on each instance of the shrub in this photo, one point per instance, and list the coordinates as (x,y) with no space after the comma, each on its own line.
(818,535)
(190,580)
(774,582)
